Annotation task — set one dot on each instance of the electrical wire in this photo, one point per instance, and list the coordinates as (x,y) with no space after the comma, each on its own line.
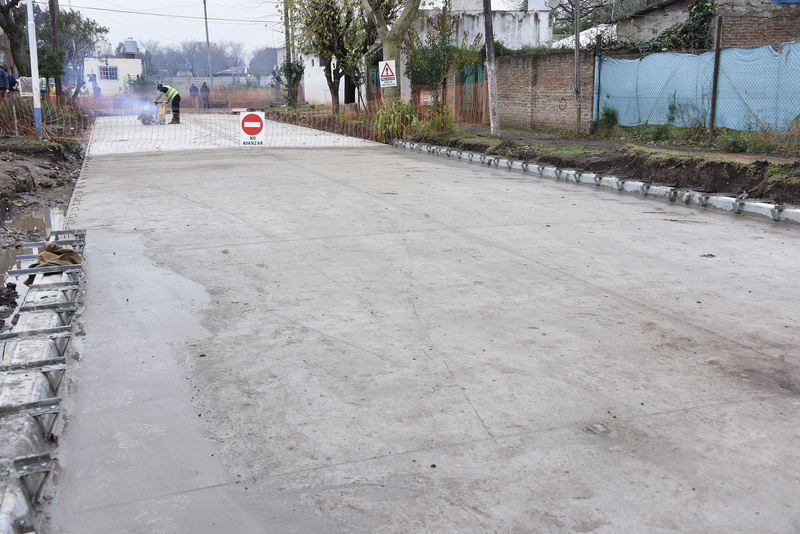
(165,15)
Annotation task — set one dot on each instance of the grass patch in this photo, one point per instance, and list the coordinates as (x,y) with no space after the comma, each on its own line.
(778,174)
(577,151)
(459,134)
(37,142)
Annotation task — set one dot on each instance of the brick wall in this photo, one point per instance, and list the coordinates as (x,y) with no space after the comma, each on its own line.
(753,31)
(535,91)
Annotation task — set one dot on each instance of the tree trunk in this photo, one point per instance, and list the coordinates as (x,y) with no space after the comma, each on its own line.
(391,50)
(392,40)
(21,60)
(333,78)
(16,37)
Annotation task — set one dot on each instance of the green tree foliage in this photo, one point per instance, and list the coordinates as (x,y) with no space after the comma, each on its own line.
(51,62)
(290,75)
(335,31)
(692,34)
(80,37)
(430,62)
(391,20)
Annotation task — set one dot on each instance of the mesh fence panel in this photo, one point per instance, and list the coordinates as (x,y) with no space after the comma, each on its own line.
(756,88)
(133,122)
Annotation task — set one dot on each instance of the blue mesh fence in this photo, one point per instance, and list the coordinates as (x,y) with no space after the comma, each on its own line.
(756,88)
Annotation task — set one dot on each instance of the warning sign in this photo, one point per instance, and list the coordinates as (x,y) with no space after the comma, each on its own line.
(252,130)
(386,68)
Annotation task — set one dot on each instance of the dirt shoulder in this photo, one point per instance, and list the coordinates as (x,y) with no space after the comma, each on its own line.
(34,175)
(773,177)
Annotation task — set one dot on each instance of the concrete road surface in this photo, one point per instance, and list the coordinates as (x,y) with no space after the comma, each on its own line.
(371,340)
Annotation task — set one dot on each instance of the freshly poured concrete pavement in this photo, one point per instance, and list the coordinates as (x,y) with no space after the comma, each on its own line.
(371,340)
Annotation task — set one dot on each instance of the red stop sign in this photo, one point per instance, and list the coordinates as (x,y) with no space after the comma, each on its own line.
(252,124)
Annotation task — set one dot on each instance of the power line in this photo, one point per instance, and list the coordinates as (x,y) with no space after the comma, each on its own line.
(249,21)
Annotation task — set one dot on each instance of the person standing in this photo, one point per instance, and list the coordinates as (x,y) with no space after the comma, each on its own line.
(13,86)
(3,81)
(193,93)
(174,97)
(204,93)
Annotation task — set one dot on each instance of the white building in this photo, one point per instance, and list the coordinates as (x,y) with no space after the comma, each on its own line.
(112,72)
(516,23)
(315,86)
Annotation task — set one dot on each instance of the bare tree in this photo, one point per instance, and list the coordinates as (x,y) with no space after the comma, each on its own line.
(592,12)
(235,53)
(195,54)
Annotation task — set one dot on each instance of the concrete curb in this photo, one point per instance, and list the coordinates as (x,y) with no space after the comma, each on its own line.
(690,197)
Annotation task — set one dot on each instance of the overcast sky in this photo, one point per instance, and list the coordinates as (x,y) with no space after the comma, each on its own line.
(256,23)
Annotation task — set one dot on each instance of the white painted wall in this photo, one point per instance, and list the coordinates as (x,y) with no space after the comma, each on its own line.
(315,86)
(125,67)
(516,23)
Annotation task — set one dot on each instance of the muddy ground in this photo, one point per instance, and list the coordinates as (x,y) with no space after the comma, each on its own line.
(33,175)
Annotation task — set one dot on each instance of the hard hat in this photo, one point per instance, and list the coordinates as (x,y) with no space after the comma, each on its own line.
(160,86)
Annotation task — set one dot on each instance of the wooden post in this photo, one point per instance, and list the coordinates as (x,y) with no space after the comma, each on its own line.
(717,42)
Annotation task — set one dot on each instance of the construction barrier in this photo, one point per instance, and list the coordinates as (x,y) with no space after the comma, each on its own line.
(133,122)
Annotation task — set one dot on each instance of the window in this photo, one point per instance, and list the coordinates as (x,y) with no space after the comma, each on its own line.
(108,73)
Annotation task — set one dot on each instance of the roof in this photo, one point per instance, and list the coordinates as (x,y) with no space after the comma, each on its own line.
(647,9)
(233,71)
(587,37)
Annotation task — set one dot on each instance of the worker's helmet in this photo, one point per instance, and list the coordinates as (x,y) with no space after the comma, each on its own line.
(160,86)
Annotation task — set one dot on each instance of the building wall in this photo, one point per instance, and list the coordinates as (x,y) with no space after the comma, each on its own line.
(647,26)
(762,8)
(125,68)
(751,31)
(315,85)
(514,28)
(536,91)
(746,23)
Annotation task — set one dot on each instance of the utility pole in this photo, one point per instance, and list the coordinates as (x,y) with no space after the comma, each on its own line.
(208,45)
(54,35)
(491,69)
(577,12)
(37,100)
(286,31)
